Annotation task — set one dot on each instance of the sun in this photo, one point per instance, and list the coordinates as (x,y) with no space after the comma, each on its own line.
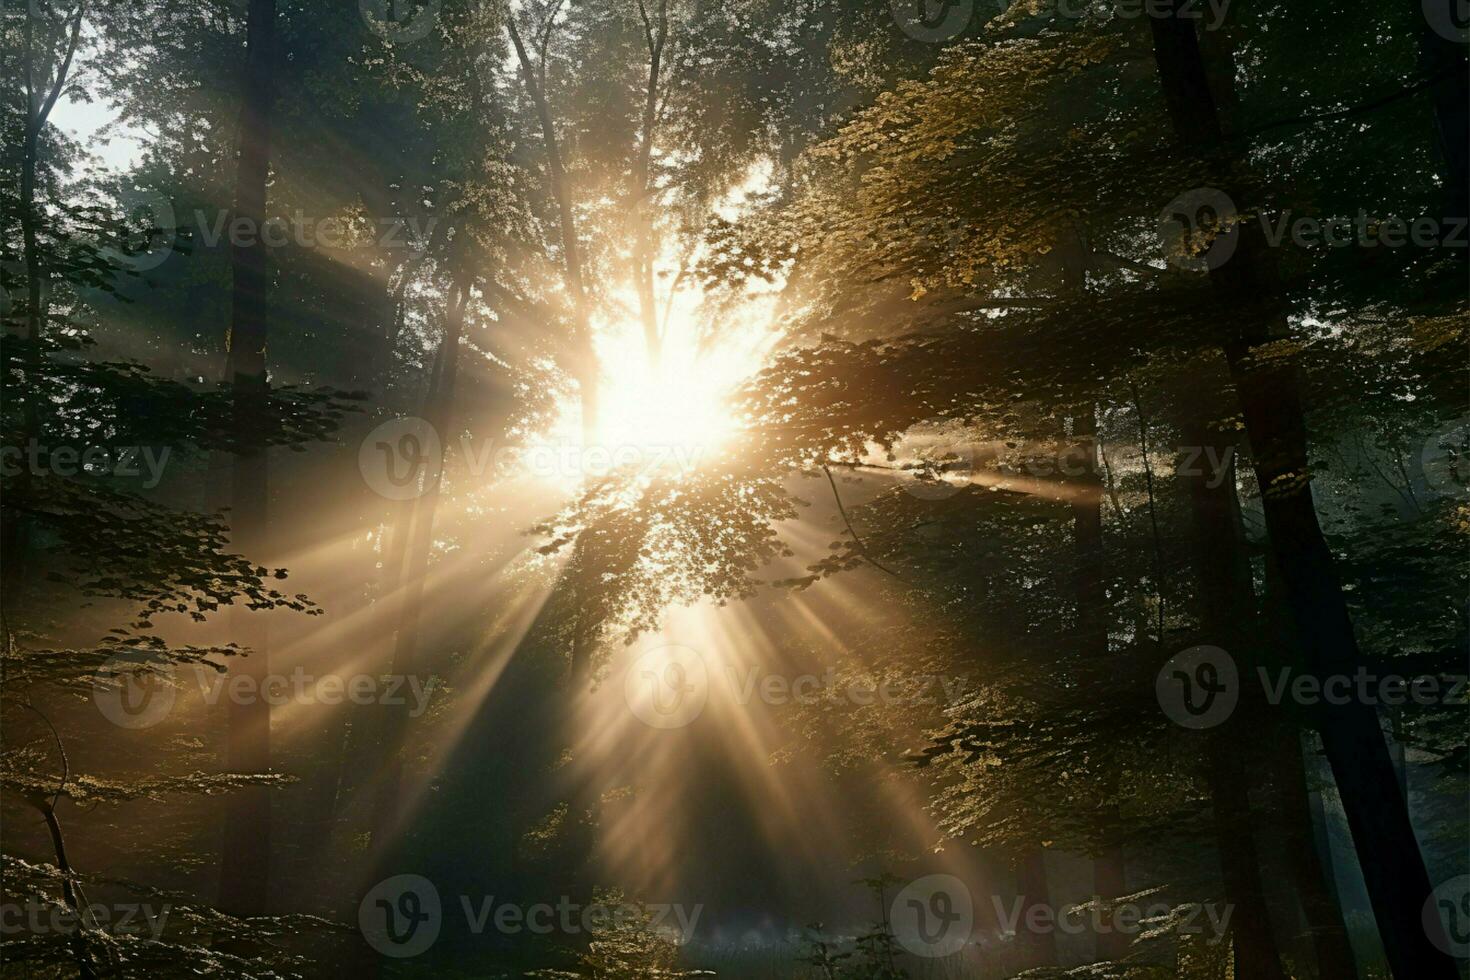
(672,413)
(664,417)
(678,404)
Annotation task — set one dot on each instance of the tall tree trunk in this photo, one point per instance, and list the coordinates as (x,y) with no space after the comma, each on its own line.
(416,529)
(581,797)
(1256,955)
(1109,869)
(38,111)
(1267,388)
(655,32)
(1320,909)
(586,370)
(1307,843)
(1036,949)
(1228,612)
(1440,56)
(244,869)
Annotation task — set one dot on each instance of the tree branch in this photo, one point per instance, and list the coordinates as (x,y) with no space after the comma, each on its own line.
(862,548)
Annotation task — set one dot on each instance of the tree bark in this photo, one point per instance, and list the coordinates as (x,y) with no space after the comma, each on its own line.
(586,370)
(1036,949)
(244,870)
(1268,392)
(641,190)
(1109,869)
(1314,886)
(1227,614)
(38,110)
(1441,57)
(416,530)
(1256,955)
(69,892)
(1307,842)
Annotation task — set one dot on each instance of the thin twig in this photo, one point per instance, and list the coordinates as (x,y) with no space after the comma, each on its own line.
(1153,514)
(1357,110)
(862,548)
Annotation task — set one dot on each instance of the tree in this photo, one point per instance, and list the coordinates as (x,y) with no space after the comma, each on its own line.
(245,868)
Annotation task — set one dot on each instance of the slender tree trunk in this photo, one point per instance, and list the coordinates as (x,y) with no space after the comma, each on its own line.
(1037,949)
(1440,56)
(1256,955)
(1307,841)
(1228,612)
(417,530)
(580,796)
(70,892)
(1268,392)
(244,871)
(14,537)
(1109,869)
(645,252)
(586,370)
(1313,883)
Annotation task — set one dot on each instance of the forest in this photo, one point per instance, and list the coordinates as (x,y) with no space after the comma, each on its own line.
(760,489)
